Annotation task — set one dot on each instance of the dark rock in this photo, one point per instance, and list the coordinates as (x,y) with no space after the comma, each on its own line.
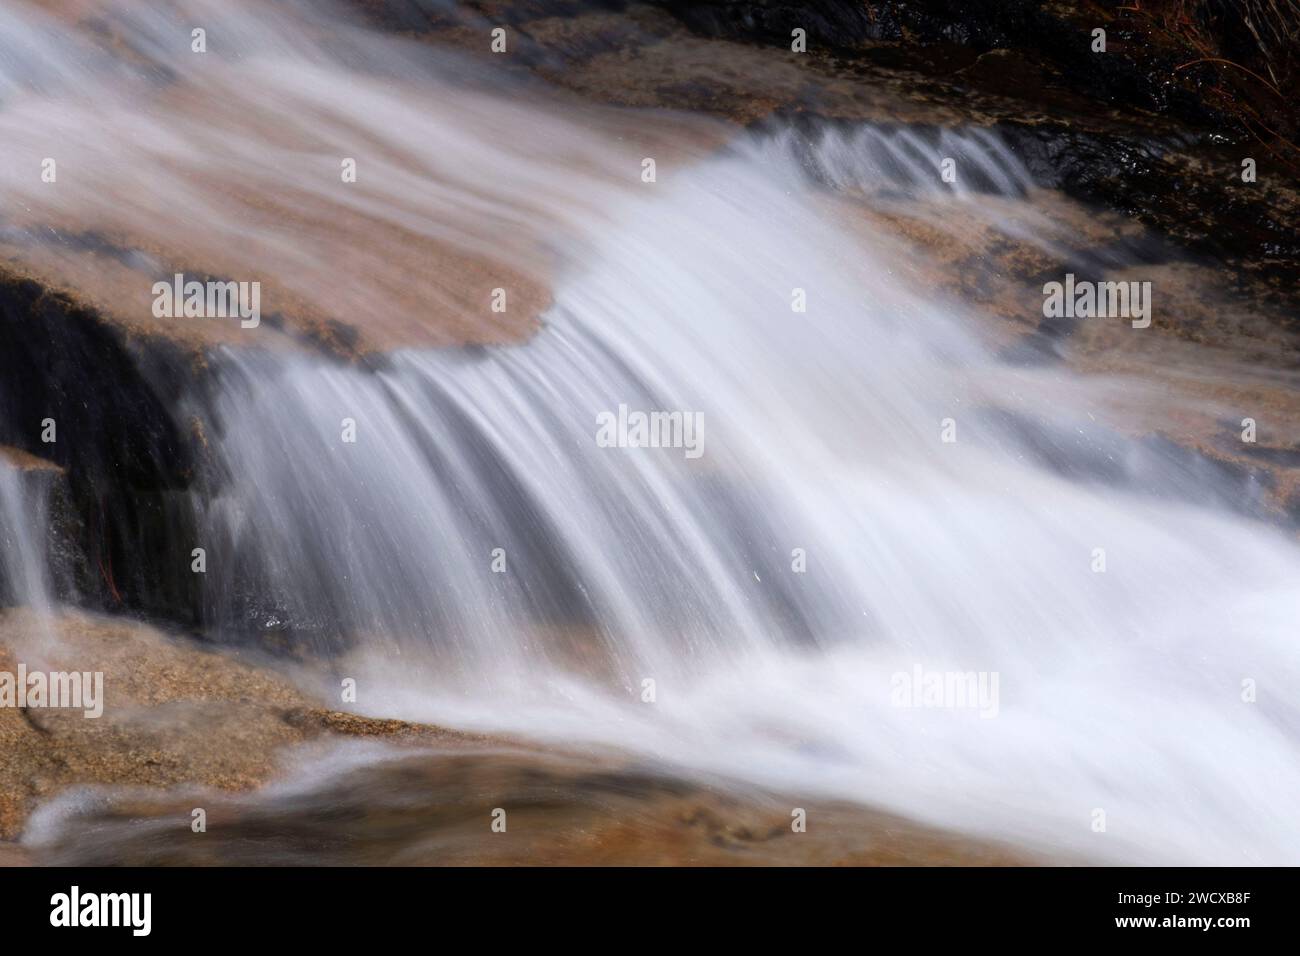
(122,542)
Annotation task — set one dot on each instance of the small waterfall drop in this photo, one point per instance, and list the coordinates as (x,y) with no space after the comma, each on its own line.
(823,435)
(477,557)
(24,523)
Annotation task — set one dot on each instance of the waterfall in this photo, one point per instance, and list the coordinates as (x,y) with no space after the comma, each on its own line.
(1119,691)
(880,492)
(24,534)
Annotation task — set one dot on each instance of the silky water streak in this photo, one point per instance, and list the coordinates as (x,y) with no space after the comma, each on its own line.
(1118,691)
(476,559)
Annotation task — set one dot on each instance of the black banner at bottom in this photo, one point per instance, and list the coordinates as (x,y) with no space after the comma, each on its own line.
(333,906)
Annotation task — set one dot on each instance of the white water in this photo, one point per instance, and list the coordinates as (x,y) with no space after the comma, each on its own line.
(24,575)
(1119,691)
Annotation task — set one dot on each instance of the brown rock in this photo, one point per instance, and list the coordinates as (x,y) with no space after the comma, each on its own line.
(174,713)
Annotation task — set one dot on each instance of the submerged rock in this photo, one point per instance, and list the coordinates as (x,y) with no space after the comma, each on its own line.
(490,805)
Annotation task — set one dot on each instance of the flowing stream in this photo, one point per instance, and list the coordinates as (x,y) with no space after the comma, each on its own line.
(822,432)
(477,558)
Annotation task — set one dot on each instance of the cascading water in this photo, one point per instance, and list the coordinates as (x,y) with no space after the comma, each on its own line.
(24,574)
(822,432)
(484,562)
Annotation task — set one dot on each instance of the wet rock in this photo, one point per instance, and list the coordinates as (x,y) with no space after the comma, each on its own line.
(435,807)
(358,725)
(124,459)
(175,713)
(1216,352)
(1042,44)
(1188,189)
(1131,130)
